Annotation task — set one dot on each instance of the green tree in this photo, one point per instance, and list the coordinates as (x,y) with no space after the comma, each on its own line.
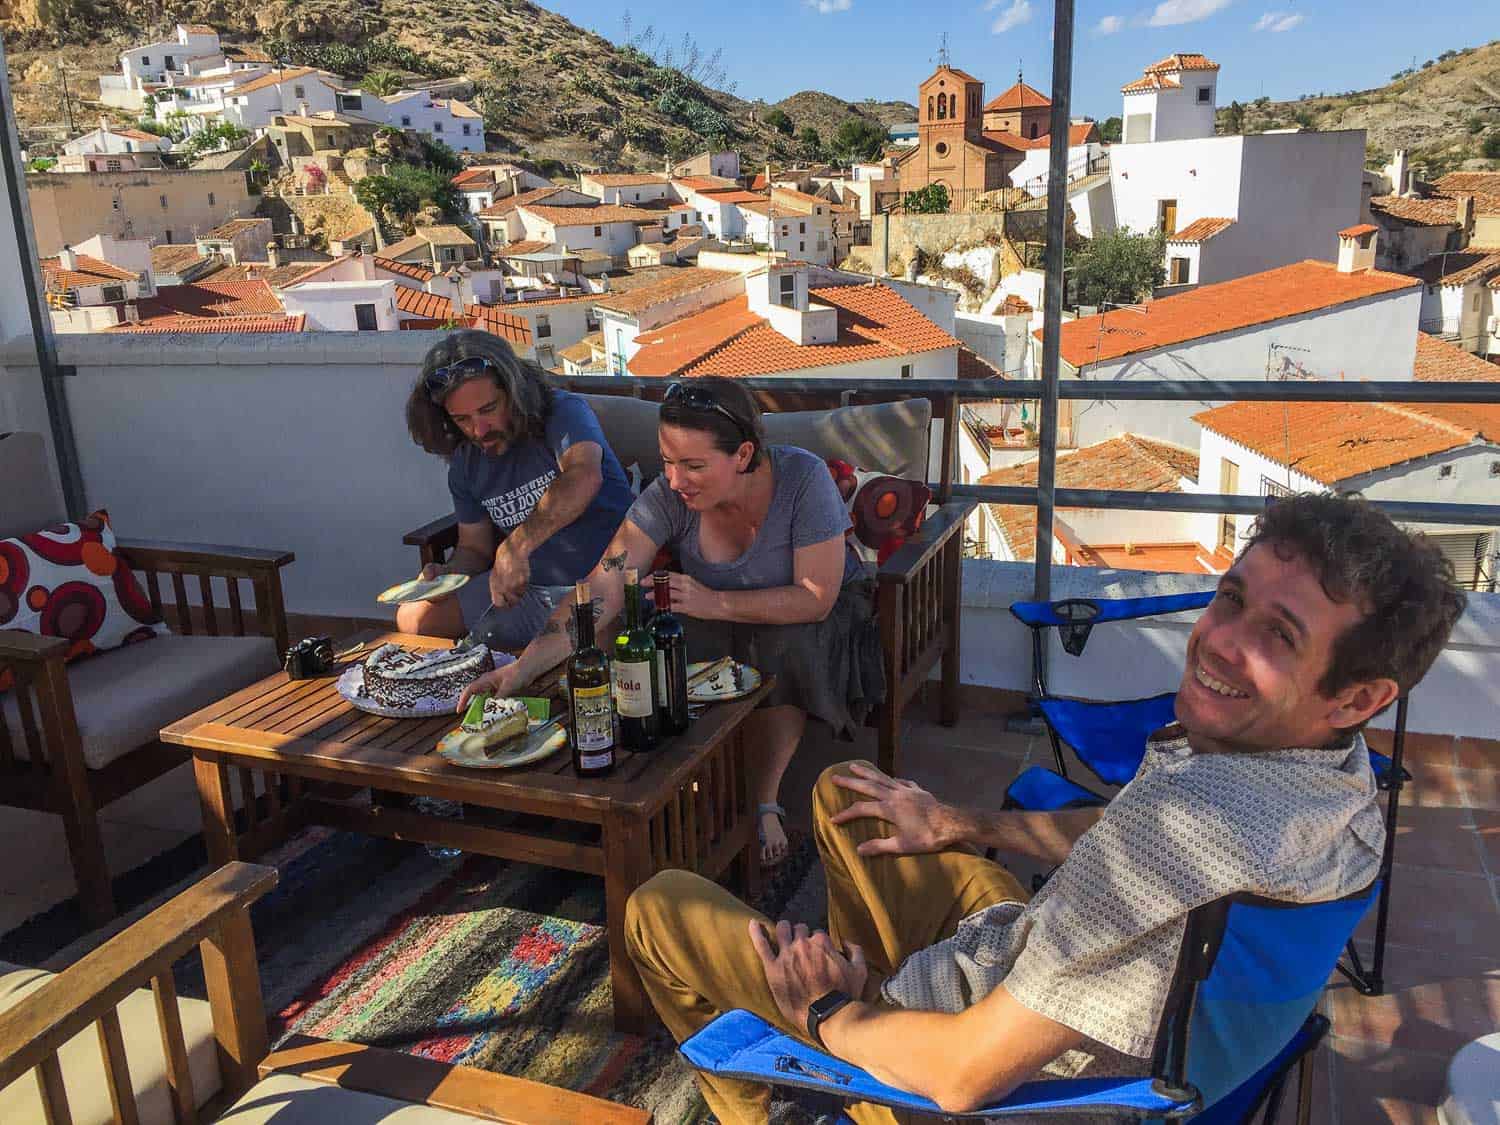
(930,200)
(402,192)
(1491,146)
(1234,119)
(381,83)
(857,138)
(811,143)
(1119,267)
(217,137)
(1110,130)
(41,163)
(439,157)
(778,120)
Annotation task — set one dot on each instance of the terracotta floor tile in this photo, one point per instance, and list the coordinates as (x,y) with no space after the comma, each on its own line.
(1380,1086)
(1420,749)
(1478,753)
(1433,1002)
(1438,837)
(1442,911)
(1435,787)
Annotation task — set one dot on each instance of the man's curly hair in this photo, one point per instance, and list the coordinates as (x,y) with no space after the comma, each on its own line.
(1399,580)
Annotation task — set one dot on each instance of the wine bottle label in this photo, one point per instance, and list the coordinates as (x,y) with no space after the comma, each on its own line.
(661,678)
(593,725)
(633,695)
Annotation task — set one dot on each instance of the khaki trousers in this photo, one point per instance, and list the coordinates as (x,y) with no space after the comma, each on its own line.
(690,938)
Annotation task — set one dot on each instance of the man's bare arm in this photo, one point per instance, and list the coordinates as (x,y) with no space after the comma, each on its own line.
(921,823)
(567,497)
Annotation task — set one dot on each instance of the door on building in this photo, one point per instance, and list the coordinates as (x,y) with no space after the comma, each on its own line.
(1179,274)
(1166,217)
(1229,485)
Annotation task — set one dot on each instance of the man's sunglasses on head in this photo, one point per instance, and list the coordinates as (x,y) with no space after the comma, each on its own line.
(440,380)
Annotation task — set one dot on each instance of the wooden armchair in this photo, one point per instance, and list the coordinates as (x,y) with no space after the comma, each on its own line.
(47,1031)
(918,605)
(74,738)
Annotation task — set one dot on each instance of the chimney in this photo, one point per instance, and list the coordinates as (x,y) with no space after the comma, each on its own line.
(103,124)
(132,313)
(1465,214)
(456,280)
(1397,170)
(1357,248)
(1410,190)
(302,109)
(67,259)
(273,254)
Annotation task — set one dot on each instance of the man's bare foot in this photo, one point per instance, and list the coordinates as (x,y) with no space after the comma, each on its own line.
(773,842)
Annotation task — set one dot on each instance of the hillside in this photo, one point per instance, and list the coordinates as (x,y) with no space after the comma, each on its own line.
(551,90)
(1442,113)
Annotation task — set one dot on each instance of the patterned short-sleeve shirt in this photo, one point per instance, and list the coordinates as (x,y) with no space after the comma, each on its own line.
(1096,948)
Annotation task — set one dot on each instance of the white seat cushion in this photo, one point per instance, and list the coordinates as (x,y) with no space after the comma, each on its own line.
(83,1066)
(125,696)
(284,1099)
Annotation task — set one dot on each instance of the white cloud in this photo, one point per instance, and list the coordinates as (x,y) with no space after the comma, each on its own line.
(1110,25)
(828,7)
(1278,21)
(1018,12)
(1169,13)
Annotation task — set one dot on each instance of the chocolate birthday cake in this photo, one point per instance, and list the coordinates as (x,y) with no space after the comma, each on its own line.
(399,677)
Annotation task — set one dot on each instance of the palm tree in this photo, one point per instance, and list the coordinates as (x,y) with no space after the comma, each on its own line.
(381,83)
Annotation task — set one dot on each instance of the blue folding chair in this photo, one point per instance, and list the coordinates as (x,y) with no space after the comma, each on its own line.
(1239,1016)
(1110,739)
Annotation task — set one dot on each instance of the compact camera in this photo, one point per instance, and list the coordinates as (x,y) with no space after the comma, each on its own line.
(310,657)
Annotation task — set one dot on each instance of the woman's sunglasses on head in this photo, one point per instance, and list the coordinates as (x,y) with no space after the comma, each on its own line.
(682,395)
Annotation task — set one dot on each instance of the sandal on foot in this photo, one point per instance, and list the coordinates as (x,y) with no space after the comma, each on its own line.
(761,811)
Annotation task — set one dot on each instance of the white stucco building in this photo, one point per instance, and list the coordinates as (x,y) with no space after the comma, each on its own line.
(344,306)
(1173,100)
(625,187)
(457,124)
(152,64)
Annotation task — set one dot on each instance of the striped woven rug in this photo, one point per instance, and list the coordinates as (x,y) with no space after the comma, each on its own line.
(496,965)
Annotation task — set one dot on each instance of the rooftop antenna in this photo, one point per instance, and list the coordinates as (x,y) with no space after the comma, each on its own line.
(943,50)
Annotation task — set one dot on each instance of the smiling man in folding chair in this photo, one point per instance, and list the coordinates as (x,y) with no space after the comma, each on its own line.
(939,977)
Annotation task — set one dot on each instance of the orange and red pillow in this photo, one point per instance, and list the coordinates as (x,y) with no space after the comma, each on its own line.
(886,510)
(68,581)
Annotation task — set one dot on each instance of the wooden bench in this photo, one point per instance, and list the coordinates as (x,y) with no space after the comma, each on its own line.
(308,1081)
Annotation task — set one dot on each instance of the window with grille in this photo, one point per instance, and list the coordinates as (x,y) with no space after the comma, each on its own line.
(113,293)
(1269,487)
(543,327)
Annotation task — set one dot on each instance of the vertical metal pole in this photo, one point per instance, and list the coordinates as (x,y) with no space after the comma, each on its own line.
(1057,203)
(64,447)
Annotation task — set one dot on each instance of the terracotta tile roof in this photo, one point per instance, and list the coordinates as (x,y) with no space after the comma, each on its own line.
(999,140)
(524,246)
(247,54)
(626,179)
(456,107)
(232,228)
(1459,268)
(590,216)
(505,206)
(1201,230)
(1016,306)
(478,177)
(1334,441)
(673,282)
(759,183)
(1209,310)
(89,271)
(1019,96)
(1128,461)
(445,234)
(1149,82)
(497,322)
(798,199)
(1442,362)
(256,324)
(172,258)
(266,81)
(404,269)
(738,197)
(971,365)
(1181,61)
(1483,186)
(230,79)
(418,303)
(583,351)
(406,246)
(278,277)
(874,322)
(1436,212)
(964,74)
(705,183)
(138,135)
(199,29)
(1356,231)
(210,297)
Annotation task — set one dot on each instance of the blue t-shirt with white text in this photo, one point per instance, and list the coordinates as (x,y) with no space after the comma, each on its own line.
(505,490)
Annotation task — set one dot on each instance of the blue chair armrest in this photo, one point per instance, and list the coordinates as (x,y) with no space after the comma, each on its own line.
(739,1044)
(1039,789)
(1042,614)
(1381,764)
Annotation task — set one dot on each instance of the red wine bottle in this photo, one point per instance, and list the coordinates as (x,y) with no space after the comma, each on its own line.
(671,659)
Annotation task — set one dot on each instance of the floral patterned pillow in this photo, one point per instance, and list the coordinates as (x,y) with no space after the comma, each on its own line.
(886,510)
(68,581)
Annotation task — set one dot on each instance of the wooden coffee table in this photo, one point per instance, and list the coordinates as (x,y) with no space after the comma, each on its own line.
(688,804)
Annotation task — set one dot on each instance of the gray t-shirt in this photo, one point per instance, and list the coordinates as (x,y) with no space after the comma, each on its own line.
(806,508)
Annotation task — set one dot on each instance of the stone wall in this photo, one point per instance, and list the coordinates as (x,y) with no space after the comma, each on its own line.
(938,233)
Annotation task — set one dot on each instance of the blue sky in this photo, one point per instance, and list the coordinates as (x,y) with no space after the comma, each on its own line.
(883,48)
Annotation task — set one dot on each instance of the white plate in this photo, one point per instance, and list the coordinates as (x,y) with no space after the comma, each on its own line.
(463,749)
(719,687)
(422,589)
(351,685)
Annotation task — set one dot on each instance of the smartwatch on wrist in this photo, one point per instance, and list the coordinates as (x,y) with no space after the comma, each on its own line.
(820,1009)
